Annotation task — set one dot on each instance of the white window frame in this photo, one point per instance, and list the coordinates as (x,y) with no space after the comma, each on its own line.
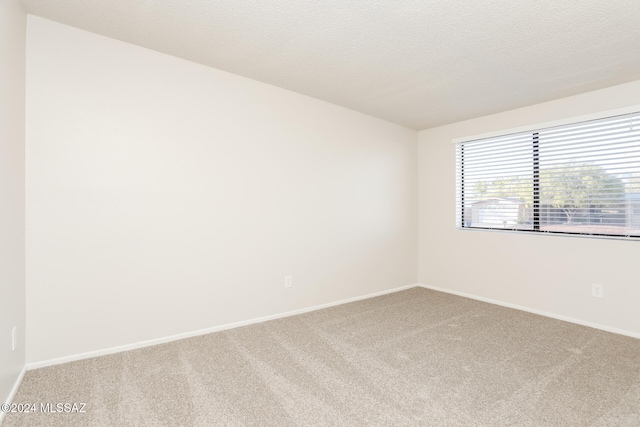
(532,128)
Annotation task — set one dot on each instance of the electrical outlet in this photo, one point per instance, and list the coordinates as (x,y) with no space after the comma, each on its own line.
(288,281)
(14,332)
(596,290)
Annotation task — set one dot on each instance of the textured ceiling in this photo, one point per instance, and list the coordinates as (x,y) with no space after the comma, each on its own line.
(418,63)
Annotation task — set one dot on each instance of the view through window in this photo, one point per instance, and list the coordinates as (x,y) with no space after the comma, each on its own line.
(581,178)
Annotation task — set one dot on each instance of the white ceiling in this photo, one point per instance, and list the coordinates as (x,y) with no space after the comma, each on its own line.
(418,63)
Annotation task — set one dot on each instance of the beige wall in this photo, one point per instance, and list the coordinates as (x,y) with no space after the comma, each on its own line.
(164,197)
(551,274)
(12,98)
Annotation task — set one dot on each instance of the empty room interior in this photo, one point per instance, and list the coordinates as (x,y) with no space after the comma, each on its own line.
(319,213)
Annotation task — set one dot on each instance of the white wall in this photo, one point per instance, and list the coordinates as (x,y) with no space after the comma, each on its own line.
(552,274)
(165,197)
(12,287)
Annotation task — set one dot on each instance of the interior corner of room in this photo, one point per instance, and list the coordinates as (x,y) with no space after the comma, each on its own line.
(147,198)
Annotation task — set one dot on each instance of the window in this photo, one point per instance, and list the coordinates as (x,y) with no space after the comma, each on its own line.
(579,178)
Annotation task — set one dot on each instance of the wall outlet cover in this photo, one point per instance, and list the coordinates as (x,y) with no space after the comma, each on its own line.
(596,290)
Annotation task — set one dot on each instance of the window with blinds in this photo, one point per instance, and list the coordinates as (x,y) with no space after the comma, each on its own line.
(580,178)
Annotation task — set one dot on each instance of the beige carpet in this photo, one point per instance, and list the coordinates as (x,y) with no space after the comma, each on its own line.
(413,358)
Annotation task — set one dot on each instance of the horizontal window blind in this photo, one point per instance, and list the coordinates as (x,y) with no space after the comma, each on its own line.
(580,178)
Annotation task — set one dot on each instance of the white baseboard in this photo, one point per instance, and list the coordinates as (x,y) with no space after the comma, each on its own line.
(534,311)
(147,343)
(13,391)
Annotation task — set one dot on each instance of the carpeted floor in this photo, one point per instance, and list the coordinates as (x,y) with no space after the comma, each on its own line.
(412,358)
